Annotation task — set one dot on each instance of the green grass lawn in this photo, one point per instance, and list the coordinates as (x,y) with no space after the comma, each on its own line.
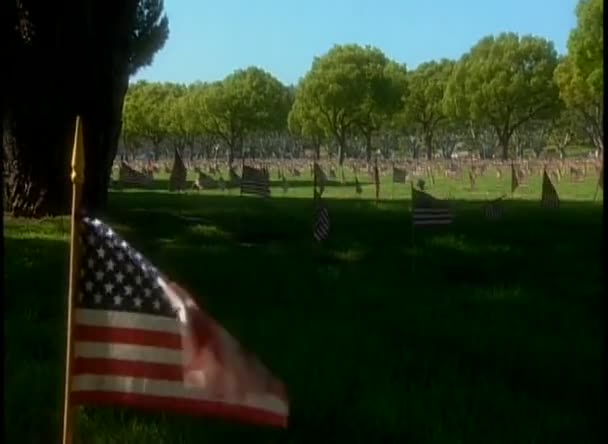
(494,336)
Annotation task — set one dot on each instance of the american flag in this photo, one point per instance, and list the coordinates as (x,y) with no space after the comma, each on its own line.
(472,179)
(514,178)
(141,341)
(494,209)
(127,176)
(321,224)
(377,179)
(234,179)
(255,181)
(358,188)
(177,180)
(428,210)
(399,175)
(549,198)
(204,181)
(320,178)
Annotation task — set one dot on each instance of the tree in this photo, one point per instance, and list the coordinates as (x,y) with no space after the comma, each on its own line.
(305,124)
(386,89)
(148,112)
(504,82)
(350,88)
(87,50)
(580,75)
(424,105)
(246,101)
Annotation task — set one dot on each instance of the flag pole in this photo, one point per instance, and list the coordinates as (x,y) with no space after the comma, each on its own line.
(77,178)
(597,186)
(412,230)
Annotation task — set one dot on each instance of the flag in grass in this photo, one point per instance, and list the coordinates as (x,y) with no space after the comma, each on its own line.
(377,179)
(320,178)
(358,188)
(321,222)
(399,175)
(494,209)
(514,178)
(128,176)
(205,182)
(233,178)
(472,179)
(177,180)
(142,341)
(428,210)
(255,181)
(549,198)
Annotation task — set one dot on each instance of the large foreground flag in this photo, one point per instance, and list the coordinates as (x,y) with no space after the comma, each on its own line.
(428,210)
(141,341)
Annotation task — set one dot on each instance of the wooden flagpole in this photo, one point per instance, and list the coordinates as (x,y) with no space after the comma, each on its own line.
(77,183)
(413,234)
(597,186)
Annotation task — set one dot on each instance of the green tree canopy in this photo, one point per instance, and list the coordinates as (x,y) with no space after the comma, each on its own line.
(350,89)
(424,105)
(504,82)
(246,101)
(580,75)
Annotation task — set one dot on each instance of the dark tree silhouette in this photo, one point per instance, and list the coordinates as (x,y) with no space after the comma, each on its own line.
(65,58)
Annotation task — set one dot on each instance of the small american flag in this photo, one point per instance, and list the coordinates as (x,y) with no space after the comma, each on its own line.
(320,178)
(514,178)
(141,341)
(255,181)
(177,180)
(494,209)
(377,179)
(321,224)
(399,175)
(549,198)
(428,210)
(204,181)
(127,176)
(234,179)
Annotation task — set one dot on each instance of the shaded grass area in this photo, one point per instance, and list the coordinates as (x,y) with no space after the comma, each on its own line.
(478,333)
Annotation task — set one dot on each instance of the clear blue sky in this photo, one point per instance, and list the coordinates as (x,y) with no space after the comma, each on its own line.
(211,38)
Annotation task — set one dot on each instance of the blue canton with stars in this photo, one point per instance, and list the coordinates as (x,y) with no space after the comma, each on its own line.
(114,276)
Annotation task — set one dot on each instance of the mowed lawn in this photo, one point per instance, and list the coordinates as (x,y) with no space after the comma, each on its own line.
(481,332)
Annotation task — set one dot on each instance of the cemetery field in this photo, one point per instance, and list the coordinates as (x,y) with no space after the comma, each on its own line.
(478,332)
(487,187)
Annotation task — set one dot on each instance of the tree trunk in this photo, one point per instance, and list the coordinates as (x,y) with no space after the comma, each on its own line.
(37,173)
(85,65)
(503,141)
(368,147)
(428,142)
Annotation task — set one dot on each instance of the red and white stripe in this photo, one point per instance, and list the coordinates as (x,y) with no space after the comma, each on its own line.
(137,360)
(432,216)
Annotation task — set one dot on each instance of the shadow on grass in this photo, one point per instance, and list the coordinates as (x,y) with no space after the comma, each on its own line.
(492,336)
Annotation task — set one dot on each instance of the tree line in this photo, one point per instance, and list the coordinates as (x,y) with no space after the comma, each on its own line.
(509,94)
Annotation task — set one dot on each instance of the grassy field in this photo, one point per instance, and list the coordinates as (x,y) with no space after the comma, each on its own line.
(494,336)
